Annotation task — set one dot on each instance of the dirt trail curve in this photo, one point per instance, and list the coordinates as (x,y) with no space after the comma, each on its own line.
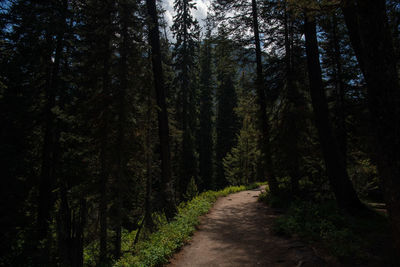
(237,232)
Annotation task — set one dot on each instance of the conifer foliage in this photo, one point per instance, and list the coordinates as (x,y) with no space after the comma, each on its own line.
(186,32)
(112,115)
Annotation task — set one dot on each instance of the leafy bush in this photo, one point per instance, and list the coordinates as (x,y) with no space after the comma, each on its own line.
(171,236)
(280,200)
(346,237)
(191,190)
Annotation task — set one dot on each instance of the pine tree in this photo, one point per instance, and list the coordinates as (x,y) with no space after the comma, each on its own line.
(206,115)
(24,80)
(238,25)
(226,118)
(186,31)
(240,164)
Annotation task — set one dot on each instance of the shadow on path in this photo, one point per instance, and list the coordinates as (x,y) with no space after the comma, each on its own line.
(237,232)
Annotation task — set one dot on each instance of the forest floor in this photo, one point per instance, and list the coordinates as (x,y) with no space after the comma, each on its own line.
(238,232)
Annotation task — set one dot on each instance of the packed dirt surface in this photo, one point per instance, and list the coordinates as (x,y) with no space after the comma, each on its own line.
(237,232)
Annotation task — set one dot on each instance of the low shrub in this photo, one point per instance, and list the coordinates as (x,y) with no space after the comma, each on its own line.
(346,237)
(280,201)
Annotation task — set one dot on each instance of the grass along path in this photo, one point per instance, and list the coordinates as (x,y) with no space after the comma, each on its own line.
(171,236)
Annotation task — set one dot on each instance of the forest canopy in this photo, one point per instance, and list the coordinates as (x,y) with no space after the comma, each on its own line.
(113,116)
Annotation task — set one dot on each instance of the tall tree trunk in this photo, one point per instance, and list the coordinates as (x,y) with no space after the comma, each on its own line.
(121,109)
(188,168)
(163,127)
(104,157)
(47,171)
(64,227)
(371,39)
(77,255)
(293,155)
(205,140)
(268,169)
(70,226)
(340,108)
(51,138)
(341,185)
(148,220)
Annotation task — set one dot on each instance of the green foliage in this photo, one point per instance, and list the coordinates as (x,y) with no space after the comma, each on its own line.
(191,190)
(240,164)
(205,136)
(274,201)
(171,236)
(346,237)
(365,178)
(263,197)
(79,122)
(226,123)
(186,31)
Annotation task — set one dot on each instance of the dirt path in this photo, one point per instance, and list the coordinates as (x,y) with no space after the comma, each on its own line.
(237,232)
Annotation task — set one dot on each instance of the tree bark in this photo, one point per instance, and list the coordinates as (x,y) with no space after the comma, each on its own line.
(104,166)
(371,39)
(162,113)
(121,129)
(340,106)
(341,185)
(293,155)
(51,138)
(264,126)
(205,140)
(70,227)
(47,171)
(148,220)
(79,236)
(64,228)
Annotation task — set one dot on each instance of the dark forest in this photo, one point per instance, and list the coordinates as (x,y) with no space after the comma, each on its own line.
(120,126)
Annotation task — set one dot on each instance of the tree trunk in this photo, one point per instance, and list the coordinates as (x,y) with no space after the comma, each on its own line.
(293,155)
(341,185)
(50,139)
(77,256)
(267,167)
(64,228)
(70,226)
(371,39)
(148,220)
(121,109)
(104,168)
(103,207)
(340,107)
(163,127)
(205,140)
(47,171)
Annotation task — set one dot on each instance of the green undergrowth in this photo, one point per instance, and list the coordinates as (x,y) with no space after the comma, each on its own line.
(352,239)
(171,236)
(279,202)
